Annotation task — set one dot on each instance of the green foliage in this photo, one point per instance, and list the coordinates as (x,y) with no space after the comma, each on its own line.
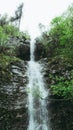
(8,30)
(3,36)
(58,42)
(62,32)
(11,30)
(25,35)
(5,60)
(63,89)
(5,63)
(59,38)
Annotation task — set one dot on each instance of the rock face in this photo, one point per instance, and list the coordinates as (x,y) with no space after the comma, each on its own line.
(60,110)
(61,114)
(13,80)
(17,40)
(13,98)
(23,51)
(18,47)
(39,51)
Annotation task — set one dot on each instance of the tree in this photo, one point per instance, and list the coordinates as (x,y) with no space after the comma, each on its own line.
(18,15)
(60,35)
(3,20)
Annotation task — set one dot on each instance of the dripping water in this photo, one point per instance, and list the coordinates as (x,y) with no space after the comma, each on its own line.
(38,115)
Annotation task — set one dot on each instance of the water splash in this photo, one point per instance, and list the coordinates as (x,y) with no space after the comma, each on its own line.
(38,115)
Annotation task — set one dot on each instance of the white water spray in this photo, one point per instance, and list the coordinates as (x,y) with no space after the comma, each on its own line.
(38,116)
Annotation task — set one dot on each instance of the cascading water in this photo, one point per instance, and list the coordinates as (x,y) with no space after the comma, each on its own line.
(38,116)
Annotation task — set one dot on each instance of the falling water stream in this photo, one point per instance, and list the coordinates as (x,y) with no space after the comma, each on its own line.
(37,93)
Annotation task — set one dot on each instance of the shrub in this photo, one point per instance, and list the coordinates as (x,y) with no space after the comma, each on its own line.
(63,89)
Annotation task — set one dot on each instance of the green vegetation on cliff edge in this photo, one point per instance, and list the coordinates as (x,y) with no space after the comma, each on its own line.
(58,43)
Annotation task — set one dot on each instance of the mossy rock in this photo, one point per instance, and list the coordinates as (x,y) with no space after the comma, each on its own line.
(5,67)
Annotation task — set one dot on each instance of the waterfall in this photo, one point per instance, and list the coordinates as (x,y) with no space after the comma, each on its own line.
(37,93)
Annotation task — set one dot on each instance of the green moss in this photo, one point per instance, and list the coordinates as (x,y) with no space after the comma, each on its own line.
(5,63)
(5,60)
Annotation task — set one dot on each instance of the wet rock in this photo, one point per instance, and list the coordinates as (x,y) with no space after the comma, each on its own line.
(61,112)
(39,51)
(27,42)
(13,98)
(15,41)
(23,52)
(17,46)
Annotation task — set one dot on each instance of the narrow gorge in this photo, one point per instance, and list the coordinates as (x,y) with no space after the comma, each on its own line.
(26,100)
(36,78)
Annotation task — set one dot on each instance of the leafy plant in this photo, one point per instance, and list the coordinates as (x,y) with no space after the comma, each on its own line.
(63,89)
(7,60)
(59,38)
(3,36)
(11,30)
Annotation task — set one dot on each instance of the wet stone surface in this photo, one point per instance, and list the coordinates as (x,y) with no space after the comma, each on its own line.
(61,114)
(13,100)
